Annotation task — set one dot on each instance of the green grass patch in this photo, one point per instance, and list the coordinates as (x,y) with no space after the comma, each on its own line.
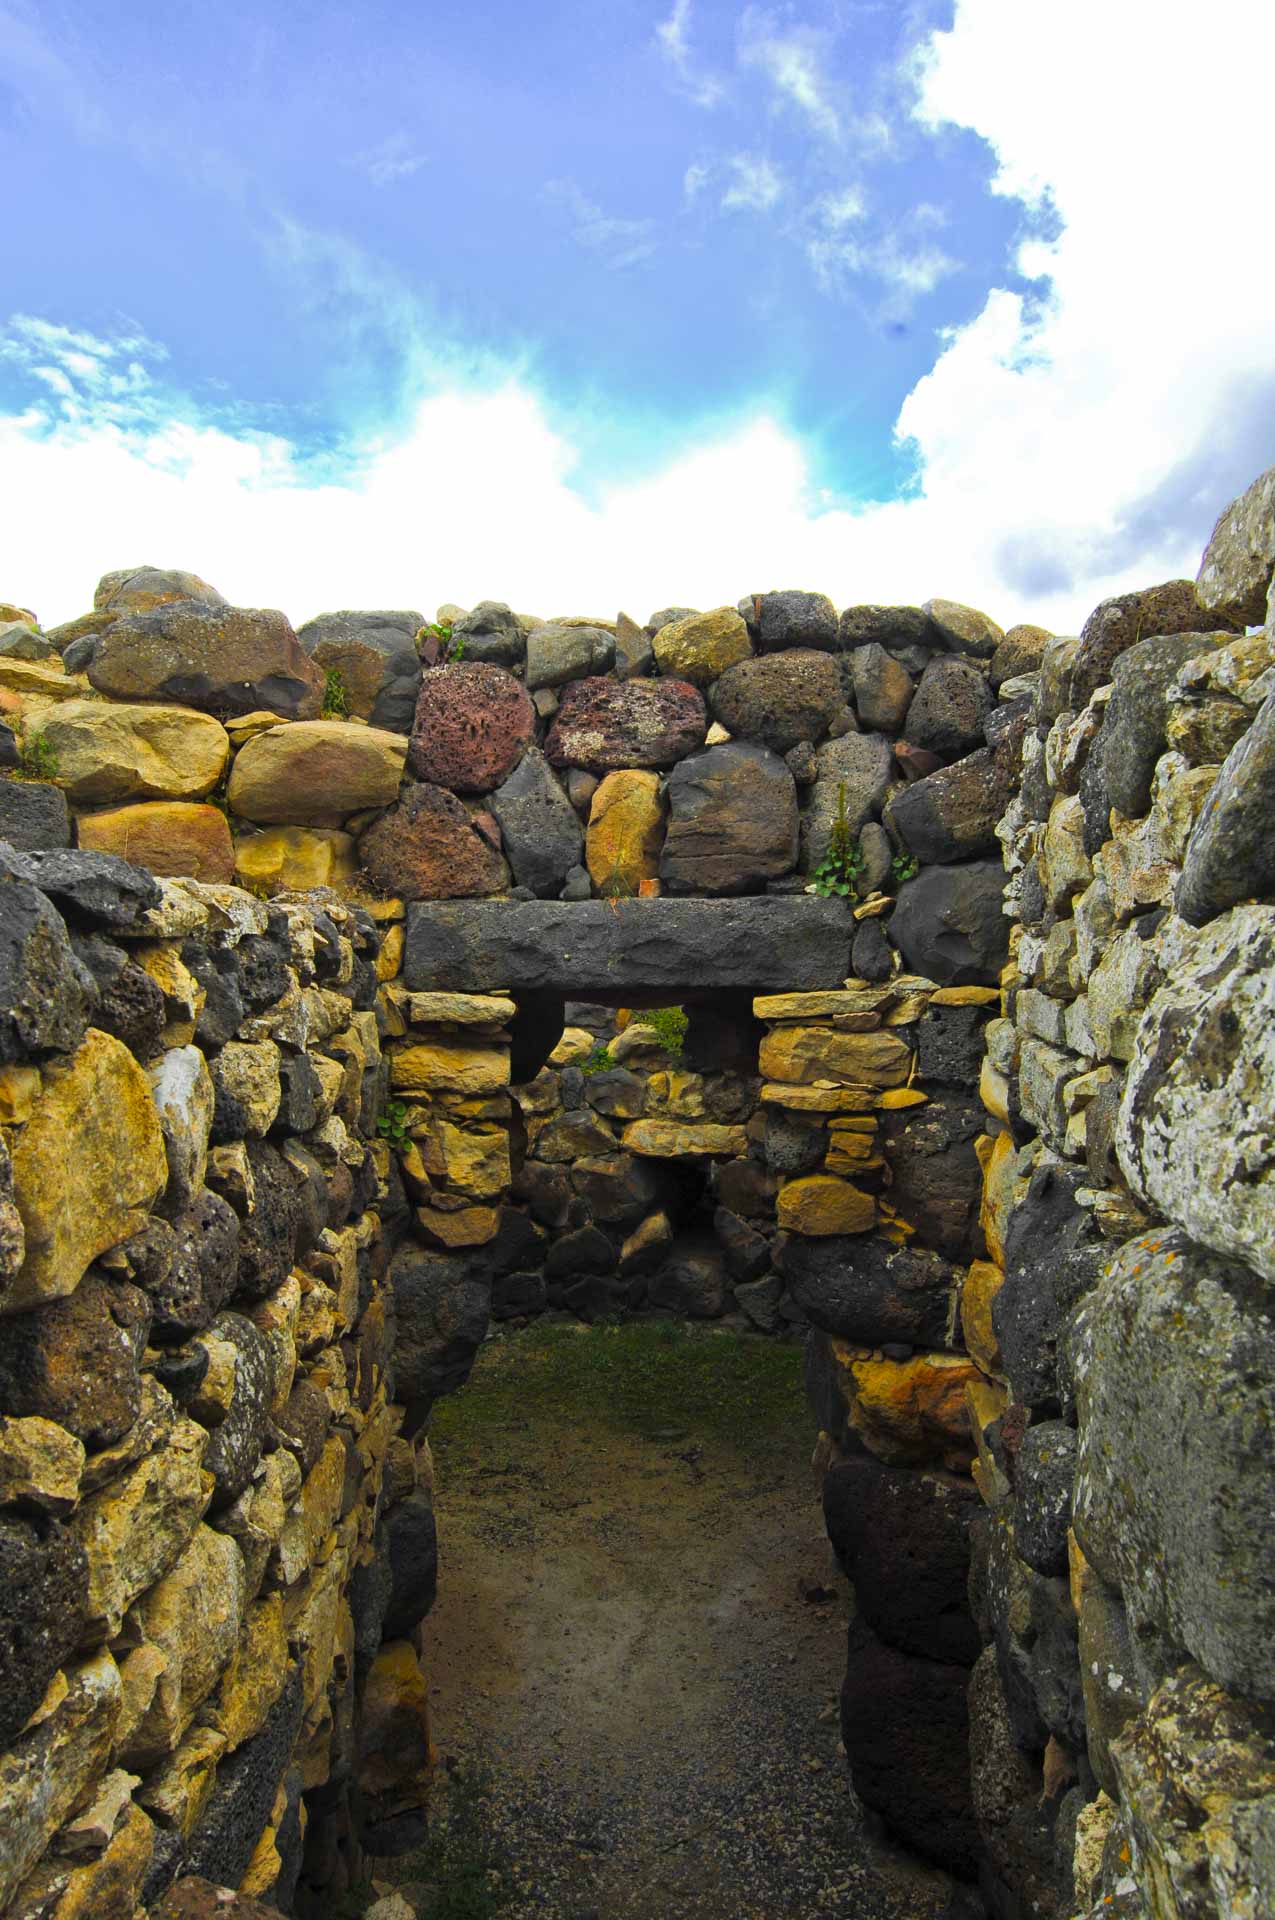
(647,1378)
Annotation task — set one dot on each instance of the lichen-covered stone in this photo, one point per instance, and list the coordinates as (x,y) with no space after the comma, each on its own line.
(779,699)
(165,836)
(952,814)
(803,1055)
(134,1529)
(1196,1773)
(192,1616)
(86,1167)
(732,821)
(796,619)
(883,687)
(964,629)
(50,1768)
(677,1140)
(867,1290)
(449,1066)
(603,725)
(1239,561)
(1195,1120)
(43,1592)
(138,589)
(295,857)
(1121,763)
(222,660)
(906,1412)
(33,813)
(1174,1361)
(315,773)
(473,723)
(77,1360)
(1231,853)
(822,1204)
(183,1093)
(108,751)
(427,847)
(626,832)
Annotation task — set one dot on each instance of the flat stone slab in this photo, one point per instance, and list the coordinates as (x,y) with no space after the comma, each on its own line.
(601,949)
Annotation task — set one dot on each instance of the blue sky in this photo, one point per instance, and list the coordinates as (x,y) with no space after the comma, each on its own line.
(584,305)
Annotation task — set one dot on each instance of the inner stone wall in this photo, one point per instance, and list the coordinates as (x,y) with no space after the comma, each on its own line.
(1002,1146)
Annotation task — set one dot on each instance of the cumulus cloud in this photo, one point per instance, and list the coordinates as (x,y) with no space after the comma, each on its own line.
(1070,441)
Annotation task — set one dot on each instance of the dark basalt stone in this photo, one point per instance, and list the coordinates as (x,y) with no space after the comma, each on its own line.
(46,994)
(542,835)
(375,655)
(732,821)
(949,1043)
(246,1789)
(952,813)
(609,949)
(796,619)
(903,1539)
(949,926)
(33,814)
(950,707)
(44,1579)
(1044,1475)
(78,1360)
(411,1541)
(222,660)
(865,1289)
(268,1232)
(937,1181)
(1231,853)
(442,1302)
(1053,1256)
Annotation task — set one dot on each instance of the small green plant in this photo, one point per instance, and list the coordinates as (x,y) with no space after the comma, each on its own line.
(670,1023)
(904,866)
(392,1125)
(336,701)
(598,1059)
(451,646)
(464,1862)
(837,875)
(37,758)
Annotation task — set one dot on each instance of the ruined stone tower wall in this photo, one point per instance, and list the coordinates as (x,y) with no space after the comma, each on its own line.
(1000,1145)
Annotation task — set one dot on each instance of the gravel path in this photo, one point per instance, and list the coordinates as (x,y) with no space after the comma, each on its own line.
(643,1638)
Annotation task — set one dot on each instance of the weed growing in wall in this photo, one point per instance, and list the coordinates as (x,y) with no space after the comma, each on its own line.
(904,866)
(37,759)
(598,1059)
(670,1023)
(336,702)
(451,647)
(392,1125)
(837,875)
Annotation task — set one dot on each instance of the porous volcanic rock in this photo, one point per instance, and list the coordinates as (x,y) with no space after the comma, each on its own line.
(43,1588)
(473,723)
(46,995)
(1116,625)
(905,1726)
(732,821)
(937,1181)
(1021,651)
(222,660)
(868,1290)
(952,814)
(903,1539)
(964,629)
(894,628)
(428,848)
(374,652)
(603,725)
(77,1361)
(795,619)
(33,813)
(779,698)
(860,763)
(139,589)
(949,707)
(92,889)
(882,687)
(949,926)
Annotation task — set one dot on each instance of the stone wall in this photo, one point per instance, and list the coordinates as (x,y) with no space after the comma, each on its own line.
(993,1123)
(199,1454)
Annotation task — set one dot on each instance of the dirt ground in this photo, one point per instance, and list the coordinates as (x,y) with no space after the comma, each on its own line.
(641,1635)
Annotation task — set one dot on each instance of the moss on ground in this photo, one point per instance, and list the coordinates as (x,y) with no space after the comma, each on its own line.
(655,1379)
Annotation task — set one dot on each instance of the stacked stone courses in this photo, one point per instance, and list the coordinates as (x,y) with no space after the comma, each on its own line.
(325,962)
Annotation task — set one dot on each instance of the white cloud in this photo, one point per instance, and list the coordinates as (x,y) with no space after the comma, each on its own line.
(792,59)
(393,158)
(755,185)
(841,209)
(694,180)
(619,242)
(673,39)
(1066,446)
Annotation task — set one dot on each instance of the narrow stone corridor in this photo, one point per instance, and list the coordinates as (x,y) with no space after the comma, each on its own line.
(640,1633)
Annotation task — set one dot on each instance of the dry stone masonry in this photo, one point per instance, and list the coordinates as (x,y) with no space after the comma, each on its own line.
(879,978)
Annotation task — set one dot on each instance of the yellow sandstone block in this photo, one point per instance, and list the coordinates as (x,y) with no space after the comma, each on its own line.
(821,1204)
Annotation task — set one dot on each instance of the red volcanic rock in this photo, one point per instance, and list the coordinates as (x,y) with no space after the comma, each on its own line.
(602,725)
(473,723)
(427,848)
